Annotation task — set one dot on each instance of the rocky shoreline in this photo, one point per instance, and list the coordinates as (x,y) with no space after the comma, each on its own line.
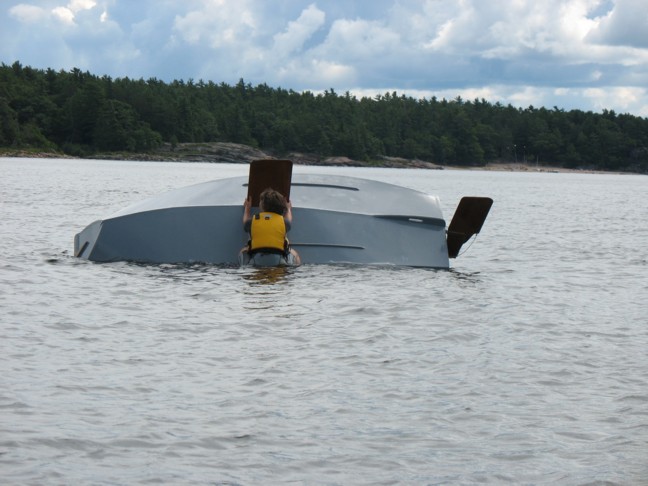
(233,153)
(229,153)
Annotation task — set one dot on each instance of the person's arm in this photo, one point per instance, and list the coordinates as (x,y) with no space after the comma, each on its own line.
(246,210)
(288,213)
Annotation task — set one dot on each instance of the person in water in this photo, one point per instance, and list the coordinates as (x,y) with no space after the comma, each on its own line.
(269,228)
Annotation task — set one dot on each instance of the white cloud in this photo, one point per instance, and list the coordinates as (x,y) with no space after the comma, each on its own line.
(317,74)
(299,31)
(67,14)
(359,40)
(28,13)
(625,25)
(64,14)
(507,29)
(79,5)
(218,23)
(622,98)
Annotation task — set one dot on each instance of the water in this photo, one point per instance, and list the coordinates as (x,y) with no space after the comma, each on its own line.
(524,364)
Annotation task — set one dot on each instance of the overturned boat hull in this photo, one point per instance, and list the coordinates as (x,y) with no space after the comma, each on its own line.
(336,219)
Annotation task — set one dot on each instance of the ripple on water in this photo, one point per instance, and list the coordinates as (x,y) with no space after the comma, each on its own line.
(524,364)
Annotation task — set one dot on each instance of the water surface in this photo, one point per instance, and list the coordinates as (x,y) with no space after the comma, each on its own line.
(523,364)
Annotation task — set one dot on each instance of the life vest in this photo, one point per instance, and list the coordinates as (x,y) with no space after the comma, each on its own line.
(268,231)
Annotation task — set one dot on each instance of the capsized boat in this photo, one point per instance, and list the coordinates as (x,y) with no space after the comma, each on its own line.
(336,219)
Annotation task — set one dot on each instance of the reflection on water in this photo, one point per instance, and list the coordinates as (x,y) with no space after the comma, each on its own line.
(267,275)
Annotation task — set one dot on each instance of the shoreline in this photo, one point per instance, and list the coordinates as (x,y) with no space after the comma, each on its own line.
(222,152)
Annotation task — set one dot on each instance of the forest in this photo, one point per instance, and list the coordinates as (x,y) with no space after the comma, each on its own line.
(82,114)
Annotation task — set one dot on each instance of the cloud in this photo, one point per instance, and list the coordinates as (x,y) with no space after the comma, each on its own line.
(244,43)
(62,35)
(299,31)
(218,23)
(625,25)
(78,5)
(360,40)
(67,14)
(64,14)
(28,14)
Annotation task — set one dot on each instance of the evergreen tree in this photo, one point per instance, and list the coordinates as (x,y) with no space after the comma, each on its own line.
(81,113)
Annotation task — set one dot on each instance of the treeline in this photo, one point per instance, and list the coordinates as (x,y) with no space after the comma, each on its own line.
(81,114)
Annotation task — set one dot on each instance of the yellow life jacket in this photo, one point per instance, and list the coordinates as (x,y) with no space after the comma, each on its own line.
(268,230)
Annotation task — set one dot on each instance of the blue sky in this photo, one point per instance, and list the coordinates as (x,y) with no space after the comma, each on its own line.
(585,54)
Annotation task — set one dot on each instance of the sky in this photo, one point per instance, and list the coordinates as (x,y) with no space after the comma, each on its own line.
(570,54)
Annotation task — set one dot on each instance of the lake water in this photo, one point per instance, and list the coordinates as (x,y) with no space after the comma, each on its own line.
(526,363)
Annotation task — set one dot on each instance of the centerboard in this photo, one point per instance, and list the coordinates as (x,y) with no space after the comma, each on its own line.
(265,173)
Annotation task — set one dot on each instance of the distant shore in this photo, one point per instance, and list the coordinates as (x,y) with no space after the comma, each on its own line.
(223,152)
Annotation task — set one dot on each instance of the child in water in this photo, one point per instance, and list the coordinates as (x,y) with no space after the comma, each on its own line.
(269,228)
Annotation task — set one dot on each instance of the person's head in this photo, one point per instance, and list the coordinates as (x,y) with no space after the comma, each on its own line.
(272,201)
